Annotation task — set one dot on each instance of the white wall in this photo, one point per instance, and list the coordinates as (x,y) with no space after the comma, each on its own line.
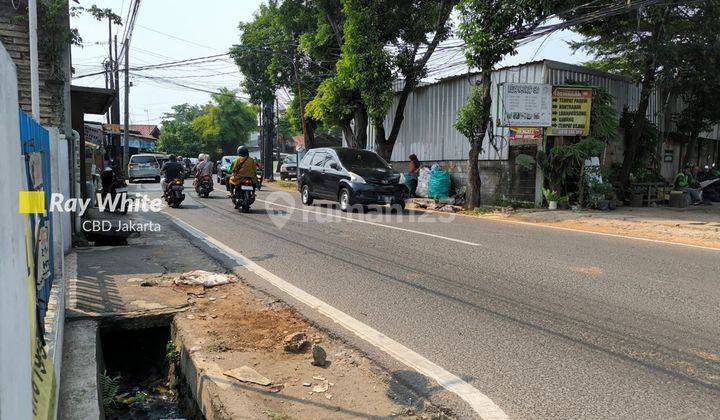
(15,387)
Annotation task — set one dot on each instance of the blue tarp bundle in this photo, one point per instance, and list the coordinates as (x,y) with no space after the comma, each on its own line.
(439,184)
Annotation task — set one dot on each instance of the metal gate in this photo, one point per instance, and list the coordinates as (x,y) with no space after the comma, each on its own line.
(35,146)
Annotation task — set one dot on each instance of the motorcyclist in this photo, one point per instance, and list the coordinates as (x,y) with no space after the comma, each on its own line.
(242,167)
(204,168)
(171,170)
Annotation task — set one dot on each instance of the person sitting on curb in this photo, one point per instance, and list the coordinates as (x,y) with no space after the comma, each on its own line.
(685,182)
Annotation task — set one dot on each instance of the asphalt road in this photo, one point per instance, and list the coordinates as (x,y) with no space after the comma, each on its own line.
(545,322)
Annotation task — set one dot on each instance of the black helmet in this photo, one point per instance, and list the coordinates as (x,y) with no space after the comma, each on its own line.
(171,158)
(243,151)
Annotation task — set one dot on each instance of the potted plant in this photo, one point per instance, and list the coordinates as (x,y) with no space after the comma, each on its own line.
(564,202)
(552,198)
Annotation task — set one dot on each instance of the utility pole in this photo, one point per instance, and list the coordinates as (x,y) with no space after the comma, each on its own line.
(34,69)
(126,146)
(267,140)
(278,141)
(115,114)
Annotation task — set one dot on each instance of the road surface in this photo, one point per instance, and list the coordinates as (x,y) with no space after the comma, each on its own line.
(546,323)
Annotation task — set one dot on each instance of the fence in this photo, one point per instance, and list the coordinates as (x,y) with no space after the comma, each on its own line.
(35,146)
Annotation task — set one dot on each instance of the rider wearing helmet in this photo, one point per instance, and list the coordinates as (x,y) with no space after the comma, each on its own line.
(204,167)
(171,170)
(242,167)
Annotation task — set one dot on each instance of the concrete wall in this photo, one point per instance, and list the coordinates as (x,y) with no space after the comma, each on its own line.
(54,74)
(15,370)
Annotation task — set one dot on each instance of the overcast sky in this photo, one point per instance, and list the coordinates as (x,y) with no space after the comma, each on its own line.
(181,29)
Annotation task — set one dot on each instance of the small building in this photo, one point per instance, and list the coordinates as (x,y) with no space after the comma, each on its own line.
(431,111)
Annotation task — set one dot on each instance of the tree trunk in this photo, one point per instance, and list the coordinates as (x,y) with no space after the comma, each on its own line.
(472,196)
(686,158)
(381,146)
(361,124)
(631,147)
(310,125)
(355,129)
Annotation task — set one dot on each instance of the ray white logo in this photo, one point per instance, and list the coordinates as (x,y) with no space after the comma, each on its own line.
(118,202)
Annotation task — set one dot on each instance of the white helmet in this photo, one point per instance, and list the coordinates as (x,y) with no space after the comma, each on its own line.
(201,156)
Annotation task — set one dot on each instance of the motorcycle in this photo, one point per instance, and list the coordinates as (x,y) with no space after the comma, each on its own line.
(112,186)
(204,186)
(244,194)
(174,193)
(259,175)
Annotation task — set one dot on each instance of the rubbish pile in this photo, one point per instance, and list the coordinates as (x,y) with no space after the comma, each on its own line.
(205,278)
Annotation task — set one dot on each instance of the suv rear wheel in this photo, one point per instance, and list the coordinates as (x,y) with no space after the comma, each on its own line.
(305,195)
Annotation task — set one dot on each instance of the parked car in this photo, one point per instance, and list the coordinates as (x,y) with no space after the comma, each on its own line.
(350,177)
(223,167)
(288,169)
(144,165)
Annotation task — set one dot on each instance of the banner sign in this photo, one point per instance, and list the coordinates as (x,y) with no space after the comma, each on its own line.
(525,105)
(524,135)
(570,111)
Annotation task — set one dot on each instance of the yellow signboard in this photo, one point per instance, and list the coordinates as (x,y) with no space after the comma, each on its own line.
(570,111)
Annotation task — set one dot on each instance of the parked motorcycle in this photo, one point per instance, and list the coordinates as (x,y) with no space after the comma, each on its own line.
(244,194)
(112,186)
(204,186)
(259,175)
(174,193)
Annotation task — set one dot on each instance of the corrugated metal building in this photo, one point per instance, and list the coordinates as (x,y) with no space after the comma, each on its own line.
(431,111)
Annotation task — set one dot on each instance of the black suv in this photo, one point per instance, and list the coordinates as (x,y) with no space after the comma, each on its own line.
(349,176)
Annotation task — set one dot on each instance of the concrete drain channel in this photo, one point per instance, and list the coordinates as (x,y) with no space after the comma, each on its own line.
(140,375)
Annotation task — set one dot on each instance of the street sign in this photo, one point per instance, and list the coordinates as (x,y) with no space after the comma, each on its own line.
(525,105)
(570,111)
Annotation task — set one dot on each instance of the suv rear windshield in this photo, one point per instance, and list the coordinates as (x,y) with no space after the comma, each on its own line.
(143,159)
(360,159)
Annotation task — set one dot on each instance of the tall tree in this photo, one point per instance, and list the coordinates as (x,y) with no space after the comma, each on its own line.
(491,30)
(693,63)
(381,37)
(637,43)
(226,122)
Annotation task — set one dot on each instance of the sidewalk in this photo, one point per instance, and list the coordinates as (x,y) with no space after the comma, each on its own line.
(698,226)
(226,327)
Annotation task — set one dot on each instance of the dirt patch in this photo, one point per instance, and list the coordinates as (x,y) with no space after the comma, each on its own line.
(232,326)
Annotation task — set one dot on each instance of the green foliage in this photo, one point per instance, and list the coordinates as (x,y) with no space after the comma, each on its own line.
(563,165)
(172,354)
(603,116)
(110,387)
(470,116)
(525,161)
(646,158)
(141,396)
(217,128)
(514,203)
(550,195)
(492,28)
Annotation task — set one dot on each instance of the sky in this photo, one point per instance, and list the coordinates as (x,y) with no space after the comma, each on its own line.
(172,30)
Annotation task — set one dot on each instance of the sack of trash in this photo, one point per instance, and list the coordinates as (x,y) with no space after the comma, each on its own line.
(423,179)
(205,278)
(439,183)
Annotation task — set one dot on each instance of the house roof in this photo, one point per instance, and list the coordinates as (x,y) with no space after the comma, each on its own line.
(145,130)
(91,100)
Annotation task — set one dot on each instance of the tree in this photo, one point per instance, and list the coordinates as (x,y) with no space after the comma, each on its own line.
(177,135)
(637,44)
(491,29)
(217,127)
(693,62)
(381,37)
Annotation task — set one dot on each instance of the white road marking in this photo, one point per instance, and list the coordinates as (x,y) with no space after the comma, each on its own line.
(417,232)
(478,401)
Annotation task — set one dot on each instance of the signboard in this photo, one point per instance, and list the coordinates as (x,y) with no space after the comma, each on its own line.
(525,105)
(570,111)
(524,135)
(113,128)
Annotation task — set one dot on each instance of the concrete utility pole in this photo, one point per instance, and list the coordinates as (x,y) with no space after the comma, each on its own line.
(34,66)
(115,114)
(268,120)
(278,141)
(126,146)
